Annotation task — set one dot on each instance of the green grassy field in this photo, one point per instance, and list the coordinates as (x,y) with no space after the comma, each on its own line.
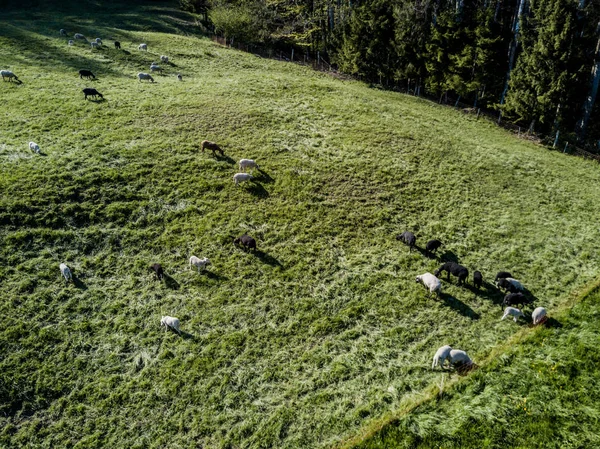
(320,334)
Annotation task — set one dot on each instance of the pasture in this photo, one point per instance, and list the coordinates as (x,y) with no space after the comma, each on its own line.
(319,333)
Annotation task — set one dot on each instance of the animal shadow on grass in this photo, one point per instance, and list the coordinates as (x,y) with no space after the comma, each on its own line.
(449,256)
(126,52)
(266,258)
(425,253)
(264,177)
(488,291)
(170,282)
(101,100)
(459,306)
(224,158)
(78,283)
(214,276)
(187,336)
(258,190)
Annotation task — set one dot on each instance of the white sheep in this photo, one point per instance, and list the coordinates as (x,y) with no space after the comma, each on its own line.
(459,358)
(248,163)
(99,41)
(440,356)
(156,68)
(511,311)
(71,42)
(94,44)
(145,76)
(199,263)
(66,272)
(34,147)
(8,74)
(179,77)
(164,59)
(170,322)
(143,47)
(242,177)
(432,283)
(78,36)
(539,316)
(63,32)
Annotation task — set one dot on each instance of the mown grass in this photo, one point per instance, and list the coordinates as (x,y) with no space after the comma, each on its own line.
(321,332)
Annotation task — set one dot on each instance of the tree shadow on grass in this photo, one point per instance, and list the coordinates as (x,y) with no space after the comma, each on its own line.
(459,306)
(170,282)
(268,259)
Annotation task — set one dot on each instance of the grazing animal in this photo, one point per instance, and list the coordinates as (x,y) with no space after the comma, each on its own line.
(63,32)
(440,356)
(248,163)
(246,241)
(164,59)
(78,36)
(94,44)
(34,147)
(408,238)
(71,43)
(179,77)
(503,275)
(459,358)
(170,322)
(145,76)
(431,283)
(513,299)
(155,68)
(242,177)
(511,311)
(99,41)
(539,316)
(199,263)
(66,272)
(212,146)
(456,270)
(158,271)
(91,92)
(477,279)
(117,45)
(143,47)
(510,284)
(433,245)
(8,74)
(86,74)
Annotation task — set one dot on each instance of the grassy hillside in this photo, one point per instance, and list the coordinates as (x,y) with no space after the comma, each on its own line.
(317,335)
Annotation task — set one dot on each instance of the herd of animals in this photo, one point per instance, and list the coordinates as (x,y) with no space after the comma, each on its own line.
(455,357)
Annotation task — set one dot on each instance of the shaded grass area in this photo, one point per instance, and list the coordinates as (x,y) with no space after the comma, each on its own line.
(541,392)
(300,344)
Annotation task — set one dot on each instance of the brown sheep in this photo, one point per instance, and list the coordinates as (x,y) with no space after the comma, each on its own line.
(212,146)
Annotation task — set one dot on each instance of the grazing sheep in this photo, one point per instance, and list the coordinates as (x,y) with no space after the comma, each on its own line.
(86,74)
(8,74)
(477,279)
(155,68)
(179,77)
(459,358)
(456,270)
(34,147)
(158,271)
(94,44)
(246,241)
(143,47)
(170,322)
(164,59)
(212,146)
(117,45)
(440,356)
(511,311)
(539,316)
(408,238)
(503,275)
(242,177)
(513,299)
(432,283)
(145,76)
(66,272)
(99,41)
(71,43)
(199,263)
(79,36)
(433,245)
(510,284)
(248,163)
(63,32)
(91,92)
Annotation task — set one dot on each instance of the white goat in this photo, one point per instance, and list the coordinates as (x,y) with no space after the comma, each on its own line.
(539,316)
(145,76)
(248,163)
(199,263)
(156,68)
(71,43)
(432,283)
(8,74)
(78,36)
(34,147)
(143,47)
(170,322)
(63,32)
(66,272)
(460,358)
(94,44)
(511,311)
(440,356)
(164,59)
(242,177)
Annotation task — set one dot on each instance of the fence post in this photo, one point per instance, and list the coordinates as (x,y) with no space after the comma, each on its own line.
(292,58)
(556,139)
(499,117)
(318,59)
(566,145)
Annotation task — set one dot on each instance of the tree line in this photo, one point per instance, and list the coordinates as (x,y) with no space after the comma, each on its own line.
(537,62)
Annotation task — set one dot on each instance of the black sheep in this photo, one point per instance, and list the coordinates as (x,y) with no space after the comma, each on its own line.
(88,91)
(433,245)
(86,74)
(506,285)
(457,270)
(477,279)
(117,45)
(513,299)
(408,238)
(502,275)
(246,241)
(158,271)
